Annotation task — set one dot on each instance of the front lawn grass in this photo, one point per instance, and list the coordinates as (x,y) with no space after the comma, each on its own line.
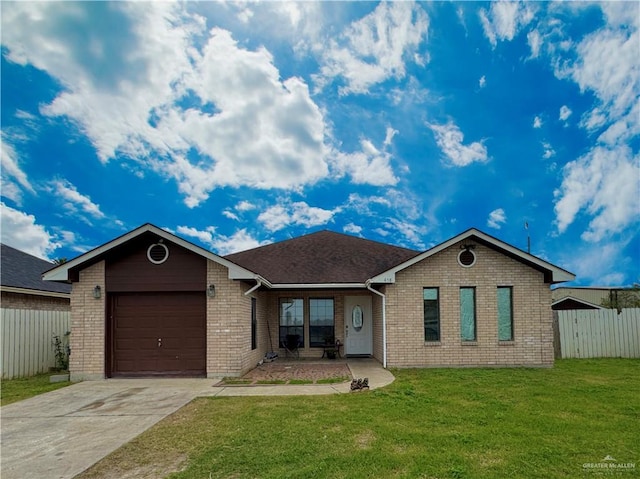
(12,390)
(430,423)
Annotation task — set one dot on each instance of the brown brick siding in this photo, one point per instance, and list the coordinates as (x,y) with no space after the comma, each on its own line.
(87,340)
(11,300)
(532,344)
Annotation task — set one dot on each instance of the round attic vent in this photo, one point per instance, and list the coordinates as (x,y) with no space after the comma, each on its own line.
(158,253)
(467,258)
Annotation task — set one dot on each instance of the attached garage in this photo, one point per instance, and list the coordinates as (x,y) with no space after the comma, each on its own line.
(158,334)
(150,304)
(156,310)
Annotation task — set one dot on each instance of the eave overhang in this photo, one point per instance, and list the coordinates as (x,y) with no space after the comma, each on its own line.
(61,272)
(553,274)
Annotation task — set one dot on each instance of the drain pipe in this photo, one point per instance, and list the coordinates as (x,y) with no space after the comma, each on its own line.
(384,322)
(257,285)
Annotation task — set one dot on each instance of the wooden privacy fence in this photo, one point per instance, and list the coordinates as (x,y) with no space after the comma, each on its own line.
(27,340)
(598,333)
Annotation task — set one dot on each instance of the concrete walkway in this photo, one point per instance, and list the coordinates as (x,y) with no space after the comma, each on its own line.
(62,433)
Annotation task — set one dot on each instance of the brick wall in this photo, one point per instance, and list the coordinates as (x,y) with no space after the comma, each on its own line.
(532,315)
(87,340)
(229,350)
(34,301)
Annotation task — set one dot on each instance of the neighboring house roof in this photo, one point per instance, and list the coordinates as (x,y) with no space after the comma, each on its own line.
(65,271)
(569,302)
(322,258)
(592,294)
(22,273)
(552,273)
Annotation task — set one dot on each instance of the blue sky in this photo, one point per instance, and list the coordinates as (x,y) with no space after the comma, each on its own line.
(239,124)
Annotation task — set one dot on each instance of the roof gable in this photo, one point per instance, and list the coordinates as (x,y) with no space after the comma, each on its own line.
(553,274)
(323,257)
(62,272)
(570,302)
(24,271)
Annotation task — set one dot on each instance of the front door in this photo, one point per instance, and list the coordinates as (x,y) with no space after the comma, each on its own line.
(358,326)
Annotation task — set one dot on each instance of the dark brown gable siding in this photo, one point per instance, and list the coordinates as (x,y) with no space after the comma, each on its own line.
(129,269)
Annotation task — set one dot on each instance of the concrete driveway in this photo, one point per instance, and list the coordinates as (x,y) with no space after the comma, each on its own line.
(62,433)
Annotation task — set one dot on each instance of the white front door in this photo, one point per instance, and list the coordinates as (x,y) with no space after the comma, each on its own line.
(358,326)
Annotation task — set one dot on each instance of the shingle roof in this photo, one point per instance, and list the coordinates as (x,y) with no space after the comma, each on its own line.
(21,270)
(320,258)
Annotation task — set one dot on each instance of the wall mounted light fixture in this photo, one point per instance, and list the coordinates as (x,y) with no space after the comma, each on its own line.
(211,290)
(97,292)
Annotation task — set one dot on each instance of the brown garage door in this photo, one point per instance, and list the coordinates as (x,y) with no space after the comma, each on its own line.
(158,334)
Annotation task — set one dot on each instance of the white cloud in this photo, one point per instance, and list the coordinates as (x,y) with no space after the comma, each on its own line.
(282,215)
(241,240)
(222,245)
(449,138)
(603,184)
(600,263)
(366,205)
(565,113)
(375,48)
(607,64)
(534,39)
(13,179)
(505,19)
(410,231)
(389,137)
(73,201)
(21,231)
(231,215)
(245,205)
(352,228)
(367,166)
(205,236)
(537,122)
(482,82)
(496,219)
(549,152)
(250,127)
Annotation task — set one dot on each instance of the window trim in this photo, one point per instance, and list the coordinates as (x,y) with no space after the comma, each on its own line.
(475,315)
(510,289)
(439,319)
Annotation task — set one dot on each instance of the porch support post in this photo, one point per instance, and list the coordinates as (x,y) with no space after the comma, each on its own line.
(384,322)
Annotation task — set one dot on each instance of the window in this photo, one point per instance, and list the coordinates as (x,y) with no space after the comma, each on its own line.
(321,322)
(291,319)
(254,324)
(431,314)
(505,313)
(468,314)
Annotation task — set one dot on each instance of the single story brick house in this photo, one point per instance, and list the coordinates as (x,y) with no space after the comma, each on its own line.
(151,303)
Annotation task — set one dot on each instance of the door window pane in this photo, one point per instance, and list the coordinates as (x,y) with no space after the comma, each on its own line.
(468,314)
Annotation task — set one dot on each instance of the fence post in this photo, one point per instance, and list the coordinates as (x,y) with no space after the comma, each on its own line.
(557,349)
